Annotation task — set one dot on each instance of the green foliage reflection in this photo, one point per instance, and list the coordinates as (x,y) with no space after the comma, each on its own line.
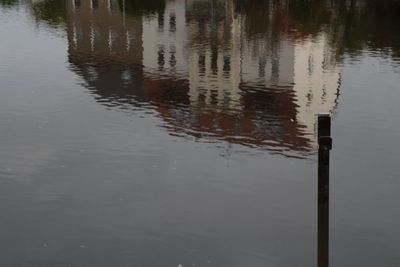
(8,3)
(53,12)
(351,25)
(142,7)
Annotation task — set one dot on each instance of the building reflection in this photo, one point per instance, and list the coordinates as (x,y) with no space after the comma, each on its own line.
(196,65)
(106,49)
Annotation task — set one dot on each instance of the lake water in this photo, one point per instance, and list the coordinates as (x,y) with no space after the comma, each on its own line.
(183,132)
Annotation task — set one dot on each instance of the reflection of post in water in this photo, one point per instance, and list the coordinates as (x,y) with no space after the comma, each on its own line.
(325,145)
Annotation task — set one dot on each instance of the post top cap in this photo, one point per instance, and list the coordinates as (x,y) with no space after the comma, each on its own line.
(324,114)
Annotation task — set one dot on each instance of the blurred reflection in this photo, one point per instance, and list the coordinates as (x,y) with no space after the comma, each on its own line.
(51,11)
(248,72)
(105,48)
(8,3)
(196,65)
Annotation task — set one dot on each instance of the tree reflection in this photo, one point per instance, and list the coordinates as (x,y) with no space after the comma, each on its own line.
(352,25)
(370,24)
(140,7)
(54,12)
(8,3)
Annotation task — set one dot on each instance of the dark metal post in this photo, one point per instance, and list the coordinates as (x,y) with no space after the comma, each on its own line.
(324,146)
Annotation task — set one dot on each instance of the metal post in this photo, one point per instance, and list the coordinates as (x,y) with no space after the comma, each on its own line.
(325,145)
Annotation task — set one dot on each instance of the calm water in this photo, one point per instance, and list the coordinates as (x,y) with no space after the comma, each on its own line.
(182,132)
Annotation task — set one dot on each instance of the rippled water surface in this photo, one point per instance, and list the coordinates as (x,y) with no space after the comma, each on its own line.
(182,132)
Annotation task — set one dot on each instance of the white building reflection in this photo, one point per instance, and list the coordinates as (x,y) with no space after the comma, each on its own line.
(204,75)
(98,31)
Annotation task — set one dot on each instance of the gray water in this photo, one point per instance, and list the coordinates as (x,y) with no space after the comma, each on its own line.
(168,133)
